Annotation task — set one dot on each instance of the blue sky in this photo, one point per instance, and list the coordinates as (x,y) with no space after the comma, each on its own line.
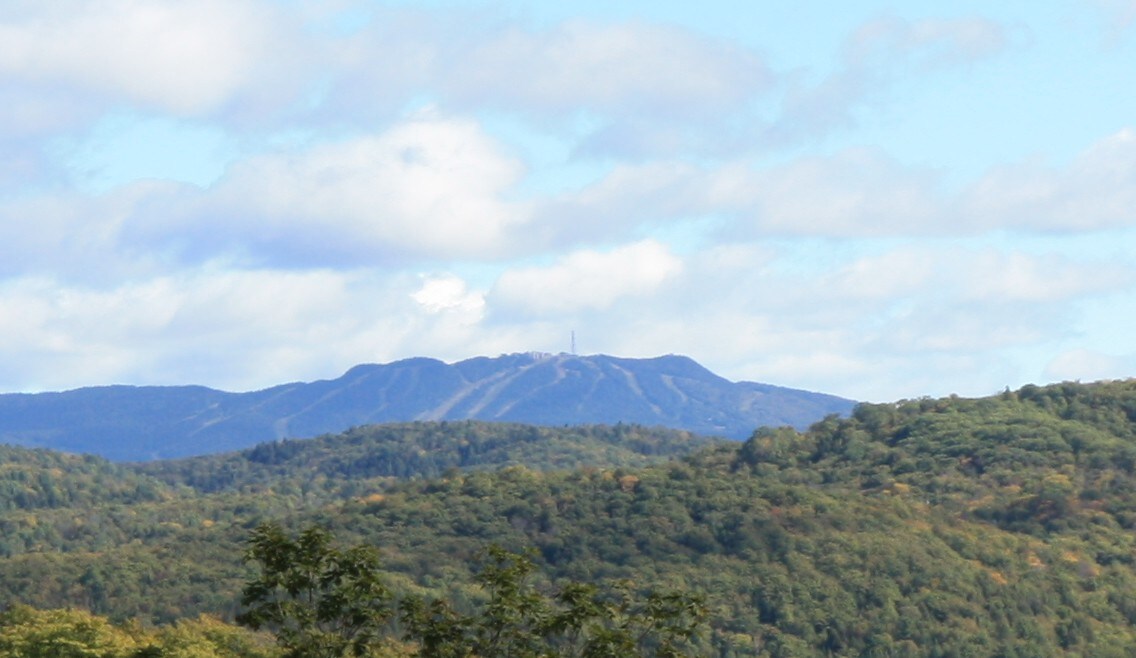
(881,200)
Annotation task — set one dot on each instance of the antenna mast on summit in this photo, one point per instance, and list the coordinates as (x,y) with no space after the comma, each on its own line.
(573,342)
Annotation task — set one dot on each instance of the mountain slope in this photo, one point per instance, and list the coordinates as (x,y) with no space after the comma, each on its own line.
(140,423)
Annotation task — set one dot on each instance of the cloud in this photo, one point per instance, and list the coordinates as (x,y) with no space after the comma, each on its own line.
(855,193)
(1018,277)
(586,280)
(858,193)
(187,58)
(428,187)
(634,68)
(632,88)
(1097,190)
(235,329)
(875,56)
(449,294)
(924,311)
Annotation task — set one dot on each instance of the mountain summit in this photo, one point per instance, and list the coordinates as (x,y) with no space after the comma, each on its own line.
(134,423)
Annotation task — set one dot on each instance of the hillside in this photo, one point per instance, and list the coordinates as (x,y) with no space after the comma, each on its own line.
(126,423)
(950,527)
(424,450)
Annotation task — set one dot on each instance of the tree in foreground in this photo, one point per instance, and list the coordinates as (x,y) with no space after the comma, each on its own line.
(322,603)
(319,600)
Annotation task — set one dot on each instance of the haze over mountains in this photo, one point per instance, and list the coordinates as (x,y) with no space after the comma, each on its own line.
(135,423)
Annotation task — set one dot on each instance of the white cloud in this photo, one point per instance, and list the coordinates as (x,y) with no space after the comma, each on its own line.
(1014,276)
(855,193)
(613,88)
(427,187)
(186,57)
(632,67)
(586,280)
(235,329)
(449,293)
(1096,190)
(858,193)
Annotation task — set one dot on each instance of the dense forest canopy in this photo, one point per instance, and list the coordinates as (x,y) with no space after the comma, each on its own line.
(932,527)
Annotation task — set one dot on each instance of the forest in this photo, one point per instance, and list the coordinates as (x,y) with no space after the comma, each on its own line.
(998,526)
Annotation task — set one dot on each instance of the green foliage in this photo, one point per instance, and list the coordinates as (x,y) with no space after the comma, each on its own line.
(423,450)
(580,620)
(325,602)
(27,633)
(30,633)
(995,526)
(41,479)
(320,601)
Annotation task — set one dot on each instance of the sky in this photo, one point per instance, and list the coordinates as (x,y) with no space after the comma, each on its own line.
(879,200)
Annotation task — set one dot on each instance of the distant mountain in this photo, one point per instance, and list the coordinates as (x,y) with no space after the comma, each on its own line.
(129,423)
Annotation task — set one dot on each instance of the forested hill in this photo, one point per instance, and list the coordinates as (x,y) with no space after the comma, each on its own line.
(1001,526)
(126,423)
(424,450)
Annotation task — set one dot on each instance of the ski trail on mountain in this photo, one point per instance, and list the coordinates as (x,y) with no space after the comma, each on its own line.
(633,383)
(558,371)
(468,389)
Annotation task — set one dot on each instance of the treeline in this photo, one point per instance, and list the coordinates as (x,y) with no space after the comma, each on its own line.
(935,527)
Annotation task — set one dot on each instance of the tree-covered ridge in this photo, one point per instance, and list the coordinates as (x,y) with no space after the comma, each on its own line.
(426,450)
(121,541)
(34,479)
(952,527)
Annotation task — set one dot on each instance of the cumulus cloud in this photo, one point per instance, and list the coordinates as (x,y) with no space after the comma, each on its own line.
(943,318)
(187,58)
(234,329)
(428,187)
(449,294)
(586,279)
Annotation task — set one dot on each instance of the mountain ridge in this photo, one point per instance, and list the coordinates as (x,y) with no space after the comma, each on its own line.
(138,423)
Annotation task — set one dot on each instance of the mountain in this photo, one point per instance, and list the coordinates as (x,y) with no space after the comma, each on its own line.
(130,423)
